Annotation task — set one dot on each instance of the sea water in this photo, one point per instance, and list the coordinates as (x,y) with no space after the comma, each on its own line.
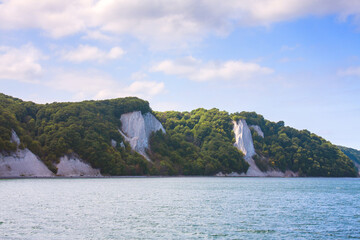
(180,208)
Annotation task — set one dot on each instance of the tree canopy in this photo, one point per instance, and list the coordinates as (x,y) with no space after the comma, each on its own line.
(199,142)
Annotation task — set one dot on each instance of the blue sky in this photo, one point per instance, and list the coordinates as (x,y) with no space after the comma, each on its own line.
(293,60)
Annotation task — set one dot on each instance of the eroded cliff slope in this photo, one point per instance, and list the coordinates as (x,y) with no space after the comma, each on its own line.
(136,128)
(200,142)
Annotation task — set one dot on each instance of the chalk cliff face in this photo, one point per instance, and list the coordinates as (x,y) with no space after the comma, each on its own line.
(244,142)
(23,163)
(72,166)
(258,130)
(243,138)
(136,129)
(14,138)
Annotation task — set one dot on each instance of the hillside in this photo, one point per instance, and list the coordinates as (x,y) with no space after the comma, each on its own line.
(282,147)
(353,154)
(122,137)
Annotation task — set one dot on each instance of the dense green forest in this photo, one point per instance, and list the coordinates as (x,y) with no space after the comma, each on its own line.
(299,151)
(199,142)
(353,154)
(86,128)
(211,150)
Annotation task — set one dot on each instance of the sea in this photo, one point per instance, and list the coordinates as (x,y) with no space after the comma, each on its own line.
(180,208)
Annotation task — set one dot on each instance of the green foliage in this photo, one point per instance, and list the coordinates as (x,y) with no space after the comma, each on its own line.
(197,143)
(299,151)
(85,128)
(353,154)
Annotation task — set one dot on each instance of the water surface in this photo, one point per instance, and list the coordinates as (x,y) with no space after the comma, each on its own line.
(180,208)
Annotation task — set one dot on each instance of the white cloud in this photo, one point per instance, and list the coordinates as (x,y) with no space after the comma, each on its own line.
(98,35)
(115,52)
(351,71)
(196,70)
(289,48)
(142,89)
(92,84)
(91,53)
(87,83)
(149,88)
(175,22)
(21,64)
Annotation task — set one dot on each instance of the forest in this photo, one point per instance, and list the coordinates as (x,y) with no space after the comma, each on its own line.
(199,142)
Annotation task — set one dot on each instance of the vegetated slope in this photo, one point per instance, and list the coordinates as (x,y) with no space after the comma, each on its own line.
(86,128)
(207,137)
(199,142)
(353,154)
(302,151)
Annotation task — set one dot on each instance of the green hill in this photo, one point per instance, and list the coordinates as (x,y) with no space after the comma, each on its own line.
(199,142)
(353,154)
(210,133)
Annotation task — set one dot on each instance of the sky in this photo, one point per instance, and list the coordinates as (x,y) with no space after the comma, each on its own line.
(292,60)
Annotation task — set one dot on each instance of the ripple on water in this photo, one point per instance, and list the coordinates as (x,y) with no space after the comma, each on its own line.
(180,208)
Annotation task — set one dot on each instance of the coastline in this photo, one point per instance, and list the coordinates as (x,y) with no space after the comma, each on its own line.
(179,176)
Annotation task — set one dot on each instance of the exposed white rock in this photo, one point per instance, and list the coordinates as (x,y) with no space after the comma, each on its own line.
(14,138)
(122,145)
(243,139)
(258,130)
(136,129)
(271,173)
(152,124)
(72,166)
(220,174)
(289,173)
(233,174)
(23,163)
(253,170)
(244,142)
(113,143)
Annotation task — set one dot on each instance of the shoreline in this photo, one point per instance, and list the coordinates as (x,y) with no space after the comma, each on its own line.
(180,176)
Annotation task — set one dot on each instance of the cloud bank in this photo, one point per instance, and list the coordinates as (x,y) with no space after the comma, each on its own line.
(197,70)
(161,21)
(22,64)
(91,53)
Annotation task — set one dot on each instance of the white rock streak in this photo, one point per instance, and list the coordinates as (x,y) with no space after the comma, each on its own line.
(258,130)
(244,142)
(14,138)
(136,129)
(72,166)
(23,163)
(243,139)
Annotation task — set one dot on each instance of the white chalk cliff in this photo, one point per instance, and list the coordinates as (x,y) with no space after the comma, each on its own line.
(244,142)
(14,138)
(73,166)
(113,143)
(22,163)
(136,129)
(243,138)
(258,130)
